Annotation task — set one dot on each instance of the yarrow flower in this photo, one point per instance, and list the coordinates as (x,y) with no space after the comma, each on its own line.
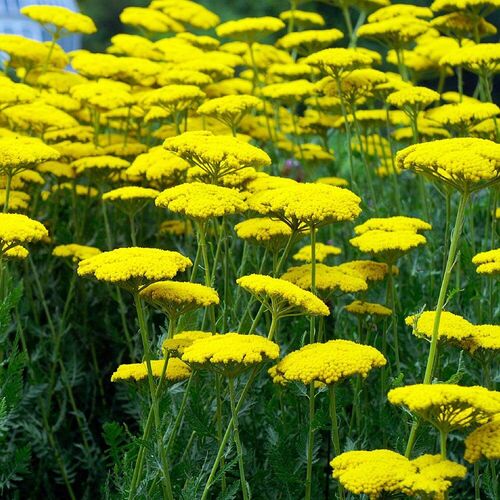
(483,442)
(61,18)
(249,29)
(308,41)
(230,353)
(368,269)
(133,268)
(467,164)
(175,372)
(487,262)
(176,345)
(17,229)
(484,341)
(322,252)
(75,252)
(378,472)
(333,62)
(202,201)
(397,223)
(448,406)
(270,233)
(361,308)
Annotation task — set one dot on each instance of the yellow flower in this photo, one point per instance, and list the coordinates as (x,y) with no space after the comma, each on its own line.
(368,269)
(283,297)
(413,97)
(367,308)
(463,25)
(150,20)
(485,338)
(15,93)
(17,229)
(13,252)
(19,153)
(329,362)
(183,76)
(289,92)
(396,31)
(75,251)
(39,116)
(177,297)
(130,193)
(249,29)
(176,345)
(174,98)
(230,353)
(473,6)
(18,200)
(307,204)
(390,245)
(187,12)
(176,370)
(397,223)
(135,267)
(378,472)
(483,58)
(397,10)
(336,61)
(103,164)
(306,42)
(333,181)
(62,18)
(301,18)
(202,201)
(216,155)
(229,109)
(102,95)
(448,406)
(329,279)
(467,164)
(265,231)
(322,252)
(462,116)
(175,227)
(487,262)
(483,442)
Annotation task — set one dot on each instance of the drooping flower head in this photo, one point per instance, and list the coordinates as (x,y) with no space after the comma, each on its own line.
(329,362)
(134,268)
(230,353)
(202,201)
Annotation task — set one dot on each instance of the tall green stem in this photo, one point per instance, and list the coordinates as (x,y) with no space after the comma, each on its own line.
(332,407)
(392,292)
(310,442)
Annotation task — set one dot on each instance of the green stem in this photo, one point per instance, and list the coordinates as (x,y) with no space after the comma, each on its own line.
(443,436)
(392,291)
(237,441)
(310,443)
(332,407)
(312,319)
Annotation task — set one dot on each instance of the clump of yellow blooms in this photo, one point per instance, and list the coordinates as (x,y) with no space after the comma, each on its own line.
(485,338)
(306,42)
(176,370)
(322,252)
(378,472)
(398,223)
(75,252)
(176,345)
(202,201)
(329,279)
(390,244)
(265,231)
(329,362)
(130,193)
(178,297)
(448,406)
(17,229)
(292,297)
(487,262)
(250,29)
(135,267)
(368,269)
(451,326)
(367,308)
(483,442)
(336,61)
(20,152)
(230,352)
(463,163)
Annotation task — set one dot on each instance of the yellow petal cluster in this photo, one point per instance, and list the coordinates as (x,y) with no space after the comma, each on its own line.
(60,17)
(451,326)
(130,193)
(176,345)
(367,308)
(483,442)
(176,370)
(264,231)
(397,223)
(487,262)
(19,229)
(75,252)
(322,252)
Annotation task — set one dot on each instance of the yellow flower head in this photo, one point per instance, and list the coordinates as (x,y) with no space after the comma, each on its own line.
(249,29)
(13,252)
(329,362)
(289,92)
(150,20)
(397,10)
(15,93)
(322,252)
(202,201)
(174,98)
(451,326)
(329,279)
(306,42)
(484,338)
(187,12)
(176,345)
(131,193)
(361,308)
(177,297)
(467,164)
(216,155)
(397,223)
(413,97)
(103,164)
(307,204)
(75,252)
(265,231)
(390,245)
(487,262)
(463,25)
(287,298)
(19,153)
(18,200)
(368,269)
(335,61)
(230,353)
(17,229)
(448,406)
(175,372)
(176,227)
(462,116)
(483,58)
(483,442)
(302,18)
(229,109)
(39,116)
(473,6)
(61,18)
(333,181)
(135,267)
(396,31)
(378,472)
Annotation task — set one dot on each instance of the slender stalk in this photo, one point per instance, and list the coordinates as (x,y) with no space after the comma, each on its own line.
(392,292)
(332,407)
(237,441)
(443,436)
(312,319)
(310,442)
